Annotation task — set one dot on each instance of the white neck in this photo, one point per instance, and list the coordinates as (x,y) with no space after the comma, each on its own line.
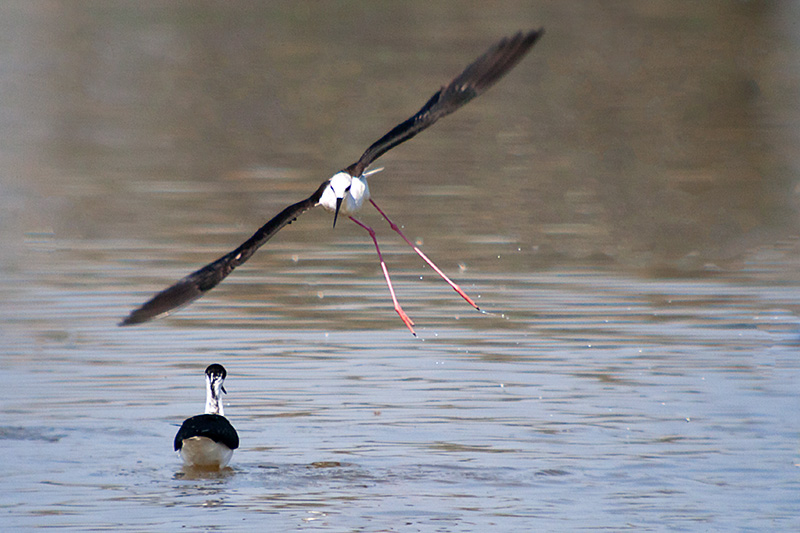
(213,397)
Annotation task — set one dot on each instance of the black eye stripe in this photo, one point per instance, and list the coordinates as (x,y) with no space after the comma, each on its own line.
(347,189)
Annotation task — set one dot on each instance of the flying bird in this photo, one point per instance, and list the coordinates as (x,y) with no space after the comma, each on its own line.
(346,191)
(208,440)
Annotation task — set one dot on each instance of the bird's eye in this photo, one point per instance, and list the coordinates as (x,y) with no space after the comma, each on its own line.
(347,190)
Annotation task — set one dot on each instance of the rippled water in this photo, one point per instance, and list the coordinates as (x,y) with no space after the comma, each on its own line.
(623,205)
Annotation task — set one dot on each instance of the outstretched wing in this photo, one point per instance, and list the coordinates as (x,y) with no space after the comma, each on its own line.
(476,78)
(200,282)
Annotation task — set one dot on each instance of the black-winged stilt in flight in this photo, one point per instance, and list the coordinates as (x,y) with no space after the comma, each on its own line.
(208,440)
(346,191)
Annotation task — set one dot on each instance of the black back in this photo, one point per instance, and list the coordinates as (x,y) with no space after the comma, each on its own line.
(215,427)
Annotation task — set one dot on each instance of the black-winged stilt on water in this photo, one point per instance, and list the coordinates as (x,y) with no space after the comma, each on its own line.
(347,191)
(208,440)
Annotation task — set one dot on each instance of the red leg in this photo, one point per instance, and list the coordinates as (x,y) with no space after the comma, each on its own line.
(425,257)
(403,316)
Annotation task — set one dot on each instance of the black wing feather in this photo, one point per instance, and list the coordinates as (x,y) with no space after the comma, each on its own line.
(474,80)
(198,283)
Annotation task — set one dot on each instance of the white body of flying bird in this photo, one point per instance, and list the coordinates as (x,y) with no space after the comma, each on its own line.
(346,194)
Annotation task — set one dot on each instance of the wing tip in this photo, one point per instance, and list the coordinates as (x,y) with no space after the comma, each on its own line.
(522,40)
(526,39)
(165,302)
(129,320)
(534,35)
(137,317)
(529,35)
(140,316)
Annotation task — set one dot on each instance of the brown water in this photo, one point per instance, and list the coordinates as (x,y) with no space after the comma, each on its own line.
(624,204)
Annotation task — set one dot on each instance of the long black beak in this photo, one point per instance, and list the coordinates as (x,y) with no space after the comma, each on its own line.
(336,213)
(223,389)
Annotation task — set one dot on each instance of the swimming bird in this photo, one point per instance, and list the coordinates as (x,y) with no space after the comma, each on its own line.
(208,440)
(346,191)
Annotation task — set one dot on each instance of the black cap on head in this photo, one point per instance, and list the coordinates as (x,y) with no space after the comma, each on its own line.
(216,370)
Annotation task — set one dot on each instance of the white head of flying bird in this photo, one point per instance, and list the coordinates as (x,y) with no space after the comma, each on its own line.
(346,194)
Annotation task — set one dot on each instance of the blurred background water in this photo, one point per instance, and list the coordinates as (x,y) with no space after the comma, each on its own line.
(624,203)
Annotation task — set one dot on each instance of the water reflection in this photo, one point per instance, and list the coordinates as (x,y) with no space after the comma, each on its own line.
(194,474)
